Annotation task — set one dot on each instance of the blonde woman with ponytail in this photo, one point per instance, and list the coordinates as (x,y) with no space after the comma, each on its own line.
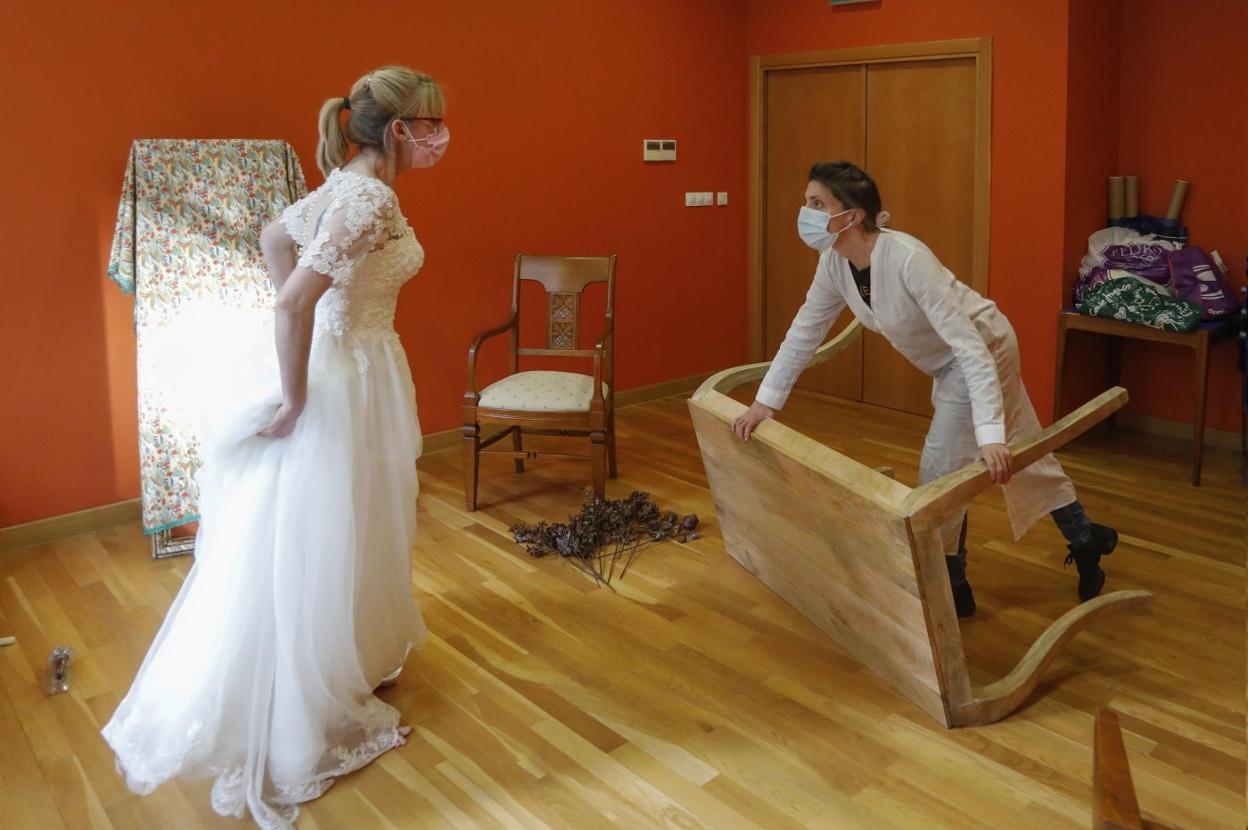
(299,603)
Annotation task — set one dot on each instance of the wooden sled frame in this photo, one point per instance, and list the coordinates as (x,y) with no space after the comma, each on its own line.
(860,554)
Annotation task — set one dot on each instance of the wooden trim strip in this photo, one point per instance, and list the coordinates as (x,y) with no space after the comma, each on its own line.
(42,531)
(755,297)
(929,50)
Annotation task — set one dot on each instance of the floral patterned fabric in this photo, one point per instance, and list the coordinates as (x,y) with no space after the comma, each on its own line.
(541,392)
(188,232)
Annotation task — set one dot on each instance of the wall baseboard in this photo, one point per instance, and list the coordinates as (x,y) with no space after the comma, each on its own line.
(42,531)
(1179,430)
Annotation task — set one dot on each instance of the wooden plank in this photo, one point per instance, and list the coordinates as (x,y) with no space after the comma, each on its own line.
(729,379)
(1113,795)
(932,504)
(832,546)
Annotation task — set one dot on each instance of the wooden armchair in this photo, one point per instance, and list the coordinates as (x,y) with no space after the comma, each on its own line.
(544,402)
(859,554)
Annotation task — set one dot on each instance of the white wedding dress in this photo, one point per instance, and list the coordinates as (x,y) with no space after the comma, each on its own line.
(299,601)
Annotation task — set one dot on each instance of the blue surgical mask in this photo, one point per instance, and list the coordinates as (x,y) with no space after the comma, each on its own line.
(812,227)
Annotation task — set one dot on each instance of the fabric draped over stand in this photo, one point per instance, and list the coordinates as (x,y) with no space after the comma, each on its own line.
(187,246)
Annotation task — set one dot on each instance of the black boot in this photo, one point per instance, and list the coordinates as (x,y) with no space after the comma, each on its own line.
(1087,557)
(963,597)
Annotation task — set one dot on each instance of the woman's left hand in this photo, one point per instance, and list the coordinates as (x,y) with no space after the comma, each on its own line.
(999,461)
(283,422)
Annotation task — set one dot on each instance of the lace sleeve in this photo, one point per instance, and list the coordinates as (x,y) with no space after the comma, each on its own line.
(348,229)
(292,218)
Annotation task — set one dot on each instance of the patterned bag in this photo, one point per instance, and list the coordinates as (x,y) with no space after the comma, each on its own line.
(1198,279)
(1134,302)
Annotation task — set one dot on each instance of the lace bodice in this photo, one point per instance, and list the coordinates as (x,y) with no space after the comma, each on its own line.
(351,230)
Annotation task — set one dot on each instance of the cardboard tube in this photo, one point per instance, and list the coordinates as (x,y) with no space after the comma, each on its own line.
(1176,199)
(1117,197)
(1133,197)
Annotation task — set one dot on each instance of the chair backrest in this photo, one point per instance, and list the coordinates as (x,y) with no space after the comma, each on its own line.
(564,279)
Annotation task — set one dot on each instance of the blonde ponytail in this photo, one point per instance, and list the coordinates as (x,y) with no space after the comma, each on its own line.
(376,100)
(331,150)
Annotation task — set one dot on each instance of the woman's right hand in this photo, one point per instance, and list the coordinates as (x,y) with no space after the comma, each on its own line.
(745,425)
(283,421)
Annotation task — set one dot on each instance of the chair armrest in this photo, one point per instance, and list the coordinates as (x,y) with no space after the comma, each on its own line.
(475,346)
(600,352)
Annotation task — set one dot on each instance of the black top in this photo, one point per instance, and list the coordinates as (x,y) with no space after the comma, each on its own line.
(863,279)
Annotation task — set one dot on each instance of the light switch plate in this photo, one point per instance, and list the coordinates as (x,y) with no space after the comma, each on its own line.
(721,198)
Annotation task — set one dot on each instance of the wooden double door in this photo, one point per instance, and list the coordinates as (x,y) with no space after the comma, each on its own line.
(919,127)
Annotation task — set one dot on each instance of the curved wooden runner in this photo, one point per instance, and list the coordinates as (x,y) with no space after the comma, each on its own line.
(859,554)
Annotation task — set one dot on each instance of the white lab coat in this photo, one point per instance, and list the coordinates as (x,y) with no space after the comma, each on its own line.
(950,333)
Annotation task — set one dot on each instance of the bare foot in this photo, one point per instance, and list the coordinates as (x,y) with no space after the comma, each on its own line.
(404,731)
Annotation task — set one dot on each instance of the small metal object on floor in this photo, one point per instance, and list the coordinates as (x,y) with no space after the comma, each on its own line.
(165,544)
(60,674)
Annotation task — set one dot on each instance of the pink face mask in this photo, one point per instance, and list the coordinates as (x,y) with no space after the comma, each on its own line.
(427,151)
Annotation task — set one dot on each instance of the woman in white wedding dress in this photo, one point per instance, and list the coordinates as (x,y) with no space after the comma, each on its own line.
(299,601)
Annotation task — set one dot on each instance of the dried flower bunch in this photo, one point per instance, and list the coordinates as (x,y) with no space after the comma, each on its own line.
(624,526)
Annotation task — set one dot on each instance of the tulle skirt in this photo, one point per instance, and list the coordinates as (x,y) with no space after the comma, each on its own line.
(299,601)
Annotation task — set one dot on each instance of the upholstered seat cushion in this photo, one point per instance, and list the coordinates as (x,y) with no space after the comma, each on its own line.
(541,392)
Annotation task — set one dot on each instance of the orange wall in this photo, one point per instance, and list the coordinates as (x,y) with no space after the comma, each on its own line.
(1028,133)
(1092,93)
(1082,89)
(1091,156)
(1183,114)
(548,103)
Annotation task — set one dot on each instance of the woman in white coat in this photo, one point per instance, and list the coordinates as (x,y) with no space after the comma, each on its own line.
(896,286)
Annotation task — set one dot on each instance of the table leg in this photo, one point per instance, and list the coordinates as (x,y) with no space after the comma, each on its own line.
(1113,354)
(1198,423)
(1060,386)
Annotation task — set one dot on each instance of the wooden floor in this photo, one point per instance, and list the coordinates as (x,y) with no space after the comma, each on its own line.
(692,696)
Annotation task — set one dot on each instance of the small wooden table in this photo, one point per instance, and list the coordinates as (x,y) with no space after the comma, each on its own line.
(1198,340)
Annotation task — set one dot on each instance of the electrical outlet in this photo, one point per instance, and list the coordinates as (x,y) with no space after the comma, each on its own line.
(658,149)
(721,198)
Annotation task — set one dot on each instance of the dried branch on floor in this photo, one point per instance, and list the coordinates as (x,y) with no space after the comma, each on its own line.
(607,534)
